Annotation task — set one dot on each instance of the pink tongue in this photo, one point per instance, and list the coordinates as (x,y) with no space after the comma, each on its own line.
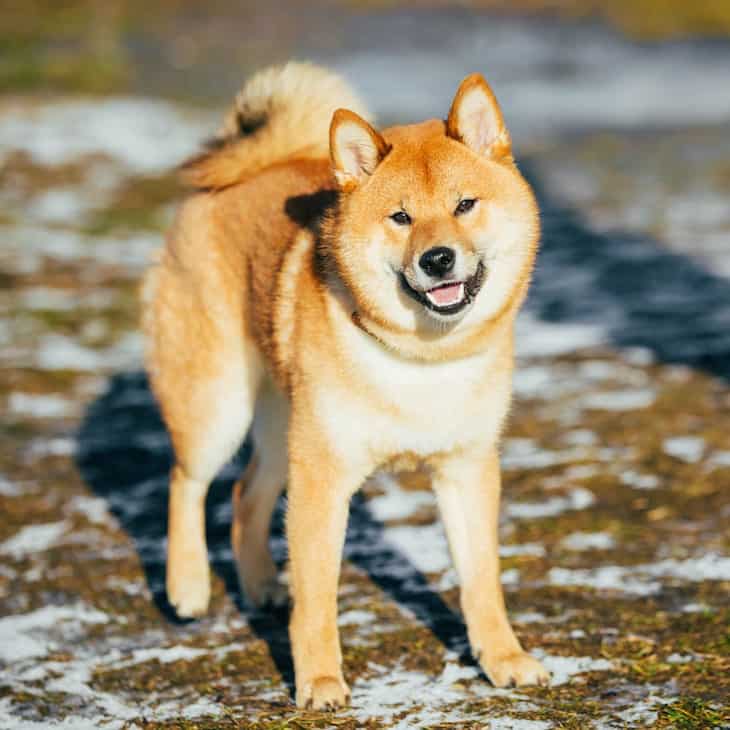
(446,295)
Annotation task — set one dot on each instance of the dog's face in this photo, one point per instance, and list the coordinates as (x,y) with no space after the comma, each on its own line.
(436,227)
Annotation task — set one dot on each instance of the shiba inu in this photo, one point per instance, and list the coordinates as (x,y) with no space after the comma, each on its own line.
(349,295)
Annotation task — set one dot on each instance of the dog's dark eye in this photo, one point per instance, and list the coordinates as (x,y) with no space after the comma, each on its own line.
(401,218)
(465,206)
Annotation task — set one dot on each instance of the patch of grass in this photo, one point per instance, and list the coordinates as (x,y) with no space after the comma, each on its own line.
(645,19)
(69,46)
(690,713)
(139,204)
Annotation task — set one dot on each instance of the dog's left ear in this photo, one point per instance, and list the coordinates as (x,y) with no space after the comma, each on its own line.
(355,147)
(476,119)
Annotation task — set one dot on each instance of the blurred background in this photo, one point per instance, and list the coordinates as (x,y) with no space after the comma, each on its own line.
(616,553)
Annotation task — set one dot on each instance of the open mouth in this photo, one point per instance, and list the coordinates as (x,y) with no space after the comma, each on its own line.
(446,295)
(451,296)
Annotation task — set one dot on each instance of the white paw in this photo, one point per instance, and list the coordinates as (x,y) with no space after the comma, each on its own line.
(323,693)
(188,591)
(515,670)
(270,592)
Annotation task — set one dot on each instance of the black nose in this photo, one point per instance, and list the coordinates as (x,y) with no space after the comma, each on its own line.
(438,261)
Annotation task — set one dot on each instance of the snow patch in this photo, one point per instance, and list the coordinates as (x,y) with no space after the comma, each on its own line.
(537,338)
(619,400)
(22,636)
(685,448)
(58,446)
(576,499)
(524,453)
(529,617)
(8,488)
(528,548)
(580,437)
(675,658)
(394,690)
(719,459)
(57,352)
(589,541)
(61,205)
(425,546)
(563,668)
(637,480)
(95,509)
(40,406)
(640,579)
(396,503)
(145,135)
(695,608)
(33,539)
(356,618)
(166,655)
(515,723)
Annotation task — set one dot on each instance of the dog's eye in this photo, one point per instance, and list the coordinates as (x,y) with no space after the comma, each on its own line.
(465,206)
(401,218)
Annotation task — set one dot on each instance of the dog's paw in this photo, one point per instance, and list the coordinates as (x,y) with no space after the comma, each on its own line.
(323,693)
(515,670)
(268,593)
(188,591)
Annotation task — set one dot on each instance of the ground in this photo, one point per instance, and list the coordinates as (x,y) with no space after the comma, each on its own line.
(616,553)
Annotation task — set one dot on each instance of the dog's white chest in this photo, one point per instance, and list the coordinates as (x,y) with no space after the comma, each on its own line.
(400,405)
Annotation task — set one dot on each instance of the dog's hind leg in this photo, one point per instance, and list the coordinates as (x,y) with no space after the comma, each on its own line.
(254,499)
(219,414)
(205,376)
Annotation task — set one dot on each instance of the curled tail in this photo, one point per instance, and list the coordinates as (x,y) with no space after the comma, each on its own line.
(281,113)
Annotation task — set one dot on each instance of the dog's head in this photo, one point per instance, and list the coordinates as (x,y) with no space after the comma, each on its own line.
(437,229)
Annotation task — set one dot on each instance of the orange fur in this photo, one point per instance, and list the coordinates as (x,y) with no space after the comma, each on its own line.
(288,299)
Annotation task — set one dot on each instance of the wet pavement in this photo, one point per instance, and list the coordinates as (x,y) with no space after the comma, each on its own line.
(616,553)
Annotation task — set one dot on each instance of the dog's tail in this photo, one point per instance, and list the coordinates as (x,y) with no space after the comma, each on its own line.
(281,113)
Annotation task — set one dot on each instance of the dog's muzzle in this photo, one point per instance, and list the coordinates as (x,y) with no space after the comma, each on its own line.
(449,297)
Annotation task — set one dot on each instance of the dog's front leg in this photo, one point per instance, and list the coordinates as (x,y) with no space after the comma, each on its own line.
(320,487)
(468,489)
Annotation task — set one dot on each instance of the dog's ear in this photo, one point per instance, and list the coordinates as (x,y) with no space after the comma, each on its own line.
(355,147)
(476,119)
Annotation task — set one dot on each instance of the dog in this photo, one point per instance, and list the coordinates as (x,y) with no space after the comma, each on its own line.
(349,296)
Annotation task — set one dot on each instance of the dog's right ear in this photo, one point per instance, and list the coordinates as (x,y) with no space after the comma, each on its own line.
(355,147)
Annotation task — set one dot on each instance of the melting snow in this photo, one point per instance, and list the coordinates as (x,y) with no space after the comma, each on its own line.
(57,352)
(563,668)
(22,636)
(638,579)
(394,690)
(40,406)
(619,400)
(8,488)
(524,453)
(356,618)
(589,541)
(537,338)
(639,481)
(33,539)
(95,509)
(58,446)
(719,458)
(425,546)
(686,448)
(166,655)
(145,135)
(576,499)
(397,503)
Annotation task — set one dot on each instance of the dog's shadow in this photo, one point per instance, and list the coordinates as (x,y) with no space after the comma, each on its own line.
(125,455)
